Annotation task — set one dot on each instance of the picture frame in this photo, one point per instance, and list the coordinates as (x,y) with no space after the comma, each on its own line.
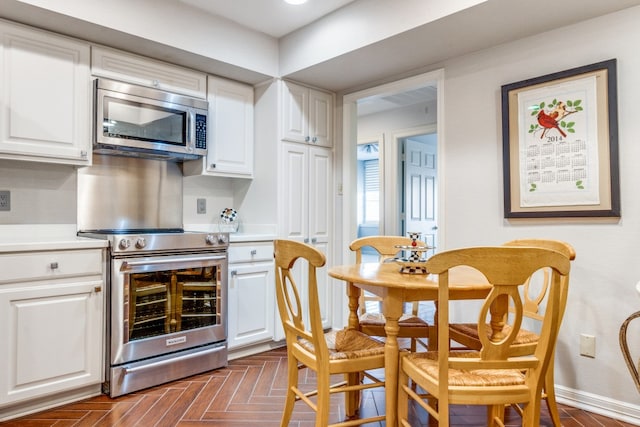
(560,144)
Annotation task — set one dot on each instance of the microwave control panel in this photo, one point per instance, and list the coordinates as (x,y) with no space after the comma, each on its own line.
(201,131)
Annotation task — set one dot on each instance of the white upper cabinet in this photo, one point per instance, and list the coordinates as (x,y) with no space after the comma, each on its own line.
(130,68)
(45,97)
(307,115)
(229,131)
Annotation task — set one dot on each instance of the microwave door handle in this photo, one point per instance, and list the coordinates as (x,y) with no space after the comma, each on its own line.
(176,263)
(189,124)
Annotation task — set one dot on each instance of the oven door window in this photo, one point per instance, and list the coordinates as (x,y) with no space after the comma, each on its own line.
(163,302)
(126,119)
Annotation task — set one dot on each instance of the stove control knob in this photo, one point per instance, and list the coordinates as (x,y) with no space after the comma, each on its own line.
(141,243)
(222,239)
(210,239)
(124,244)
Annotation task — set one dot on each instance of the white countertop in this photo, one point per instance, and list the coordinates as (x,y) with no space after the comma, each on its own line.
(47,237)
(44,237)
(246,233)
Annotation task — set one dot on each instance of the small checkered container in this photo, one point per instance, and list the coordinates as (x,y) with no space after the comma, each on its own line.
(229,220)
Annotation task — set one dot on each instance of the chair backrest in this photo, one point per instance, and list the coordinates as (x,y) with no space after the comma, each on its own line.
(534,296)
(506,268)
(289,294)
(386,247)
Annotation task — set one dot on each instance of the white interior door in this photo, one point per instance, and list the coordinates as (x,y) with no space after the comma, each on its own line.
(420,188)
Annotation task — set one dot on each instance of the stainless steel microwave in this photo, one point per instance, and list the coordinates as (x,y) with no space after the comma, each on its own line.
(143,122)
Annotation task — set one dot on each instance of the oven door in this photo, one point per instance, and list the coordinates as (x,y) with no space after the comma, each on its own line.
(166,303)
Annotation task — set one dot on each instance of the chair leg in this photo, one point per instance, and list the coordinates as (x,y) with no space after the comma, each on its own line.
(290,400)
(495,413)
(323,402)
(403,397)
(352,398)
(549,390)
(531,413)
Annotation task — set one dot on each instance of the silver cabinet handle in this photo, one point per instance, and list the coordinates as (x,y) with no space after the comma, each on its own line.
(234,273)
(314,139)
(306,139)
(53,265)
(253,252)
(306,240)
(314,240)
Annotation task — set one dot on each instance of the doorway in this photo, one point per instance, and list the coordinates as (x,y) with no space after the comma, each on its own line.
(391,196)
(390,156)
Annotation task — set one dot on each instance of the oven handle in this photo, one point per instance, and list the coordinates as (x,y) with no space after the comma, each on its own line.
(175,262)
(160,363)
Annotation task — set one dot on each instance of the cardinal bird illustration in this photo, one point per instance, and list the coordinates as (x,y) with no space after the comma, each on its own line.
(548,122)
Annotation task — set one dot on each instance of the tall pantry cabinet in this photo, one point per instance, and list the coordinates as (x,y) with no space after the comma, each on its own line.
(306,176)
(304,172)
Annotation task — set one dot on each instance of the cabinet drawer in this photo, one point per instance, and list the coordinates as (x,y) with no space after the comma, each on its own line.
(250,252)
(30,266)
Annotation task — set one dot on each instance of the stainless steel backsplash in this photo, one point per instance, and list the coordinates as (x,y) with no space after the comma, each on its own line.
(129,193)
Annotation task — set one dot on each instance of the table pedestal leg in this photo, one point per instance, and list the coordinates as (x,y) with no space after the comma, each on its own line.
(353,293)
(392,310)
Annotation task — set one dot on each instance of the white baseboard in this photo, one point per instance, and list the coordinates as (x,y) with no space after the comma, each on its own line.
(601,405)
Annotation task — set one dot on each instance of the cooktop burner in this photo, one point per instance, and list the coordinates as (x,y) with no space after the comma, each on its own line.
(163,240)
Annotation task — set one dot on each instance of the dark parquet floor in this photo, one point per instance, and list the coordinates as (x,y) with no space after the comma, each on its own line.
(249,392)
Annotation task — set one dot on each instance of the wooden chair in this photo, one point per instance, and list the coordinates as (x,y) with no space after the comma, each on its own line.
(347,352)
(534,298)
(372,324)
(491,376)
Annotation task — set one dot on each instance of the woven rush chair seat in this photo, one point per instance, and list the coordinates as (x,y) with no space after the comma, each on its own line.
(347,344)
(471,330)
(428,362)
(406,320)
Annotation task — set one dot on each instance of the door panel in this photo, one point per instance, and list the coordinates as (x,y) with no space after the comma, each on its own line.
(421,189)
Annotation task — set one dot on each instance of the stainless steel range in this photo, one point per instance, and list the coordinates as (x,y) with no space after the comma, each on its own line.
(167,288)
(167,299)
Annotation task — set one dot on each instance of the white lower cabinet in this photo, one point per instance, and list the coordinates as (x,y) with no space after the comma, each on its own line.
(251,294)
(51,323)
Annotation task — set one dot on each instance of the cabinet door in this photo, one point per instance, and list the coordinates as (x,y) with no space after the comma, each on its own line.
(320,118)
(320,214)
(306,203)
(52,338)
(294,198)
(126,67)
(295,104)
(45,97)
(250,306)
(230,150)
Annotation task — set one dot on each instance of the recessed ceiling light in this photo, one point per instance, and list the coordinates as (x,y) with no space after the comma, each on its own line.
(295,1)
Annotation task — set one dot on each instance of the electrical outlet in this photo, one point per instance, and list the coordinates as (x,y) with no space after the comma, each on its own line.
(587,345)
(202,206)
(5,200)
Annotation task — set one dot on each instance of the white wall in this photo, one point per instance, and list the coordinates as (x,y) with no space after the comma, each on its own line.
(40,193)
(606,268)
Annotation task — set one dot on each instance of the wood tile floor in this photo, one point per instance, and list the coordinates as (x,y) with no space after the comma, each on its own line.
(249,392)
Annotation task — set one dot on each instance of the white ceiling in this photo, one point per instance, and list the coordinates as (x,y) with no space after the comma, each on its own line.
(273,17)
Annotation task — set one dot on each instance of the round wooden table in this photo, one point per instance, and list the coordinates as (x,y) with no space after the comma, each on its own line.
(395,288)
